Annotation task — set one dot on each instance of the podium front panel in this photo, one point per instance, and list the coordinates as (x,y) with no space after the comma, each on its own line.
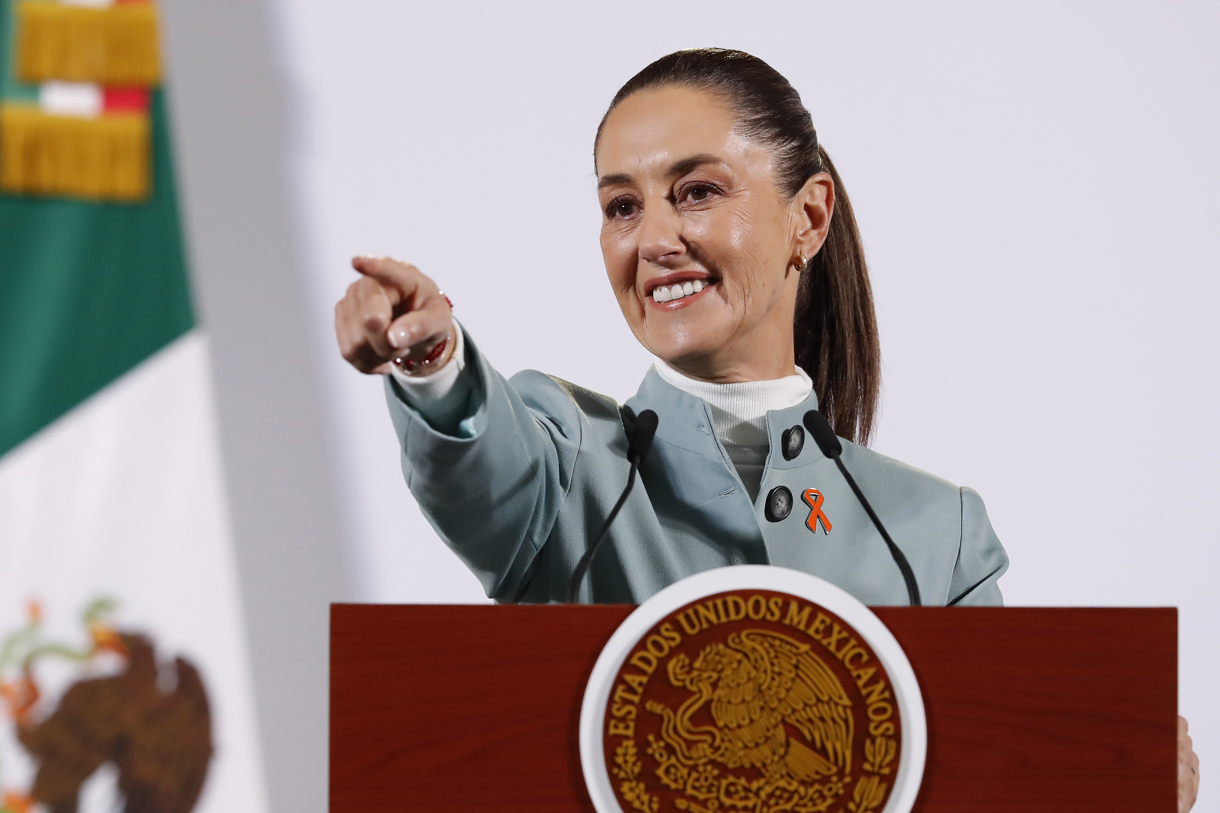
(464,708)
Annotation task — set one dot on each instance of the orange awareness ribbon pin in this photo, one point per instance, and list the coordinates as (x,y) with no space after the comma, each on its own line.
(814,499)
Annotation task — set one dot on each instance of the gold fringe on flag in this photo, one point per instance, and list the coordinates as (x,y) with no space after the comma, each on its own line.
(106,46)
(107,158)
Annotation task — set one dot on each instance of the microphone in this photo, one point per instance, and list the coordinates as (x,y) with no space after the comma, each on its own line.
(829,443)
(639,443)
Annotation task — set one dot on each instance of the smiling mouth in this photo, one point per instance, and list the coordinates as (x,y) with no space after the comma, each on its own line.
(669,293)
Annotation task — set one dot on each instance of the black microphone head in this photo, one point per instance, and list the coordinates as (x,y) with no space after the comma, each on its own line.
(823,435)
(641,436)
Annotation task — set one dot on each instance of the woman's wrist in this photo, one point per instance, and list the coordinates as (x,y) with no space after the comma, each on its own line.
(436,358)
(413,365)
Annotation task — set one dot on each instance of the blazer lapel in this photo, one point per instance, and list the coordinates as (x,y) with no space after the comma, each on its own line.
(689,477)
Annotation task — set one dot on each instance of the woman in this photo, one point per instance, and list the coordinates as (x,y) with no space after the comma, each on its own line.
(731,246)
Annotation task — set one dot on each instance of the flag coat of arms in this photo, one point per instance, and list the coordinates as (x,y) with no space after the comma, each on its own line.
(124,676)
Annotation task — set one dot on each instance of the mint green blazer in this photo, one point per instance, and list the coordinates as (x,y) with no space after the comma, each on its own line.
(521,487)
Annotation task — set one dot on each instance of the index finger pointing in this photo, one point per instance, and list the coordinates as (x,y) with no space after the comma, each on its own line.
(401,277)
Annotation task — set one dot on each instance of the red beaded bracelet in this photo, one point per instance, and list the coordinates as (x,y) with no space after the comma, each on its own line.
(412,367)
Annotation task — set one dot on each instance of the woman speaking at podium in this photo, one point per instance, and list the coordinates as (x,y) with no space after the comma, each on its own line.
(731,246)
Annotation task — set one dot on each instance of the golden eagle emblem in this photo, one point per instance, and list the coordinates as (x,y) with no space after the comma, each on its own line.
(752,702)
(759,684)
(775,706)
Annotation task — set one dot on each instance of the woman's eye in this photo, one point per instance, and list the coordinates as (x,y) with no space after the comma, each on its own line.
(698,193)
(620,209)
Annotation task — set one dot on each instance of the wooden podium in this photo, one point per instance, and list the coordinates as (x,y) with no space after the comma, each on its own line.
(475,708)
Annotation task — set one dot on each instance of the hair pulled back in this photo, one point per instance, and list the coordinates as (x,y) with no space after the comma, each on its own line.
(835,327)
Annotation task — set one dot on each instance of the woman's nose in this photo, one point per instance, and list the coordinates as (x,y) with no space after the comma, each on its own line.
(660,235)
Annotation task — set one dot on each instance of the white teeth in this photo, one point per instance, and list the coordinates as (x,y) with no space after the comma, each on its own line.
(670,293)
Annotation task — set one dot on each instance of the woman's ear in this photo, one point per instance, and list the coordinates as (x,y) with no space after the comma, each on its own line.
(814,204)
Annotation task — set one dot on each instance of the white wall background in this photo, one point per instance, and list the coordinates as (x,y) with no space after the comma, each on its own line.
(1038,186)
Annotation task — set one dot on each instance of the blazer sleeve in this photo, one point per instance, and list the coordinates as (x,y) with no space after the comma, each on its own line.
(492,489)
(981,559)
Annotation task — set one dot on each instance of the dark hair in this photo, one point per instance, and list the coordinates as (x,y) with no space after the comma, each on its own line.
(835,328)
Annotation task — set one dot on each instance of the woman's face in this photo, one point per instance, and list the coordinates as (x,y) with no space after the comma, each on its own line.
(699,242)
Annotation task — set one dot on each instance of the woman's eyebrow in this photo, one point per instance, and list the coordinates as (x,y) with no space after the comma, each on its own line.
(676,169)
(680,168)
(611,180)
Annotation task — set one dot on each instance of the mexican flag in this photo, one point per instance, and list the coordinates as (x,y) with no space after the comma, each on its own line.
(124,678)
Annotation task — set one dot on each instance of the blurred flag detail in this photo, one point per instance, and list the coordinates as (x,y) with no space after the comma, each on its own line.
(88,289)
(110,472)
(115,708)
(107,46)
(74,117)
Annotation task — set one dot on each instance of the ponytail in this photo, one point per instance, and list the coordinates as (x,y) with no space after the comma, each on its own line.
(835,328)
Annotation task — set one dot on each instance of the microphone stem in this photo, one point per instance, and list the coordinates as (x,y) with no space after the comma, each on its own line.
(899,557)
(582,566)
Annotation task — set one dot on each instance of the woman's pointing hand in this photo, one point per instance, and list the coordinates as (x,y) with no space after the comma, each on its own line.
(393,311)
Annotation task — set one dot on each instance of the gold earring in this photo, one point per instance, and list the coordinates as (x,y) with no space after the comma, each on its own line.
(800,262)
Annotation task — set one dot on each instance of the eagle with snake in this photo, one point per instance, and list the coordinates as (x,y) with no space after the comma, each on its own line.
(761,688)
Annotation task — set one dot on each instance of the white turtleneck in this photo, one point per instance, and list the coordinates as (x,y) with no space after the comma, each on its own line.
(739,415)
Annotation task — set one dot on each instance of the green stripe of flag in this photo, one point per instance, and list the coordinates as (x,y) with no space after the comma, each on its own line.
(87,290)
